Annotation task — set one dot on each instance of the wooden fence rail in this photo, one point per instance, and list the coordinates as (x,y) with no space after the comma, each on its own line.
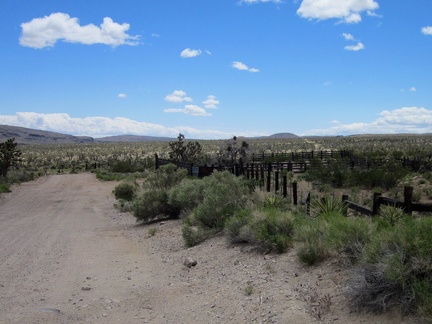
(407,205)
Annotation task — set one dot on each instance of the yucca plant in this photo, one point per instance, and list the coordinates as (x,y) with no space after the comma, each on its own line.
(327,207)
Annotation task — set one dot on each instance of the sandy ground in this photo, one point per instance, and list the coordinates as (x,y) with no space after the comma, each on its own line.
(68,256)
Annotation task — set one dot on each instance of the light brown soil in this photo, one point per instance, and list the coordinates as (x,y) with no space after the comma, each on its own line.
(68,256)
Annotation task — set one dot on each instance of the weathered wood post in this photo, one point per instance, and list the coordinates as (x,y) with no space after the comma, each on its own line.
(376,204)
(269,167)
(276,181)
(295,197)
(284,186)
(156,161)
(262,175)
(408,193)
(308,200)
(345,199)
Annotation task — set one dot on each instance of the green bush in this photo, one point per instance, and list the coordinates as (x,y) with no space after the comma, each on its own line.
(194,235)
(348,237)
(237,226)
(187,195)
(4,187)
(311,237)
(123,167)
(224,194)
(125,191)
(397,270)
(165,178)
(274,230)
(153,204)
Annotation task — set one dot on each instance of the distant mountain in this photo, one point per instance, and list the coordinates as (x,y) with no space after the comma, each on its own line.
(278,136)
(133,139)
(283,135)
(29,136)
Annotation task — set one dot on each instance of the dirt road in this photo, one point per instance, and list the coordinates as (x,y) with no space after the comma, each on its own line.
(68,256)
(63,259)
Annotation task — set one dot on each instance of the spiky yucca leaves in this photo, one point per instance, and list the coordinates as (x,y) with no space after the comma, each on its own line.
(327,207)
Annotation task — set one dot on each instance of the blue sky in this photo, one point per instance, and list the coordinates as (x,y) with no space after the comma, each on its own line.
(212,69)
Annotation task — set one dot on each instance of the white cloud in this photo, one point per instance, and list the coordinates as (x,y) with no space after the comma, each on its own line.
(243,67)
(178,96)
(359,46)
(188,53)
(46,31)
(348,37)
(211,102)
(193,110)
(413,89)
(427,30)
(415,120)
(104,126)
(347,10)
(122,95)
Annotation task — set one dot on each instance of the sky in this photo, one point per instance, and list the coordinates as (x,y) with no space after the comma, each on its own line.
(213,69)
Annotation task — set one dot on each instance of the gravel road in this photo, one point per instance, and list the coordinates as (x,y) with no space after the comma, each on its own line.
(68,256)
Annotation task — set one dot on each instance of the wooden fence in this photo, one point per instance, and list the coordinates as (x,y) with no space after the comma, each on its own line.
(407,205)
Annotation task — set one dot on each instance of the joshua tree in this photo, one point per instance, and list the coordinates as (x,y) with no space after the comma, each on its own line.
(9,156)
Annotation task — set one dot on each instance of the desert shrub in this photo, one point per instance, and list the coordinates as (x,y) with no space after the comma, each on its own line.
(237,227)
(311,237)
(194,235)
(105,175)
(224,194)
(274,230)
(187,195)
(397,270)
(153,204)
(166,177)
(125,191)
(4,187)
(338,236)
(123,167)
(347,237)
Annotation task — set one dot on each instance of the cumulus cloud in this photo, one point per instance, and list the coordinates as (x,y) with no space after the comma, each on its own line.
(358,47)
(348,37)
(104,126)
(413,89)
(122,95)
(427,30)
(193,110)
(188,53)
(178,96)
(211,102)
(415,120)
(46,31)
(348,11)
(243,67)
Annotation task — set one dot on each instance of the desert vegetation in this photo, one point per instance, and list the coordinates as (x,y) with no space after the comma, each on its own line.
(389,255)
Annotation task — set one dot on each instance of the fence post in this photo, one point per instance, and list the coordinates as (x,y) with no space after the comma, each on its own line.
(408,192)
(308,200)
(376,204)
(268,177)
(276,181)
(345,199)
(262,175)
(284,186)
(295,197)
(156,162)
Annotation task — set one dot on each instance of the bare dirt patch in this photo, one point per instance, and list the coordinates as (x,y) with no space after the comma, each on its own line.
(68,256)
